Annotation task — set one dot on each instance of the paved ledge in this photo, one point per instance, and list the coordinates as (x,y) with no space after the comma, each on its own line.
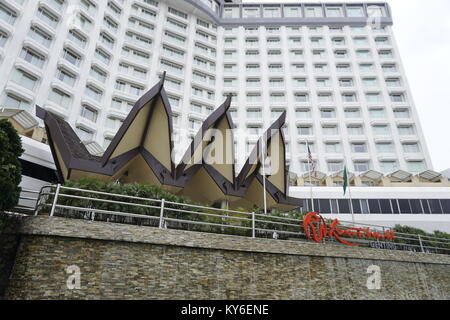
(73,228)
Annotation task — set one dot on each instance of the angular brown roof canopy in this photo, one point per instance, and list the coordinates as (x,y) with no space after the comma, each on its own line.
(142,149)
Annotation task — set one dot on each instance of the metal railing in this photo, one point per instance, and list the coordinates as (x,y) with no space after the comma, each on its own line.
(57,200)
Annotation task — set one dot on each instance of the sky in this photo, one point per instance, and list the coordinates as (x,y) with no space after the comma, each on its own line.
(422,33)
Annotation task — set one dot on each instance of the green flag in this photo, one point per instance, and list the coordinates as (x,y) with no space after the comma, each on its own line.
(345,180)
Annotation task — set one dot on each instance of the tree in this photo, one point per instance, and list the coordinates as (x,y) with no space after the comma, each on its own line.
(10,167)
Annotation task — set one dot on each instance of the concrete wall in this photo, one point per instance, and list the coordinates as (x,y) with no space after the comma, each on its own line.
(125,262)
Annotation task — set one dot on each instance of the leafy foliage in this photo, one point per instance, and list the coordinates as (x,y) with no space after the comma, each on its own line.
(10,167)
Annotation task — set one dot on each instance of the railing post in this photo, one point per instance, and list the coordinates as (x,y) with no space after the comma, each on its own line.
(161,214)
(36,207)
(421,244)
(55,200)
(253,225)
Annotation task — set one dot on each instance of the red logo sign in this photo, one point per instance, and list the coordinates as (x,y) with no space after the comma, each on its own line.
(316,229)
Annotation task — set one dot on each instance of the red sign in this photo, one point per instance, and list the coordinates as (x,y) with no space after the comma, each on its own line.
(316,229)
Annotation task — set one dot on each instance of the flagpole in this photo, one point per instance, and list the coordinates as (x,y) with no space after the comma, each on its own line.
(264,174)
(310,173)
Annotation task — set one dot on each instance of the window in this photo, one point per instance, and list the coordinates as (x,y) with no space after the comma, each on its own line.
(352,113)
(253,82)
(94,93)
(366,67)
(327,113)
(389,166)
(24,79)
(334,12)
(3,39)
(370,82)
(393,82)
(341,54)
(299,82)
(411,148)
(355,12)
(72,57)
(313,11)
(47,17)
(349,97)
(303,113)
(381,129)
(343,67)
(355,129)
(335,166)
(231,12)
(333,147)
(397,97)
(346,82)
(374,97)
(401,113)
(298,68)
(32,57)
(325,97)
(377,113)
(251,12)
(361,166)
(14,102)
(7,15)
(89,113)
(359,147)
(40,36)
(330,130)
(84,134)
(61,98)
(406,130)
(389,67)
(292,11)
(416,166)
(65,76)
(272,12)
(304,130)
(385,147)
(102,56)
(301,97)
(362,54)
(304,149)
(323,82)
(98,74)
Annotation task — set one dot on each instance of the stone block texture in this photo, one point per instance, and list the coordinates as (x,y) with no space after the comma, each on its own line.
(131,262)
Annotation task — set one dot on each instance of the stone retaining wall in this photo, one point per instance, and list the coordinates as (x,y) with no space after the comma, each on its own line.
(130,262)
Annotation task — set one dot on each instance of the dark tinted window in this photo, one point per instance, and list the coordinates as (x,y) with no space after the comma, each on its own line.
(356,206)
(426,207)
(374,206)
(385,206)
(344,205)
(308,204)
(445,205)
(404,206)
(316,205)
(415,206)
(395,206)
(325,206)
(435,206)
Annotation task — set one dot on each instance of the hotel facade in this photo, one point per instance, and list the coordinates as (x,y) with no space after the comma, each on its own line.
(334,68)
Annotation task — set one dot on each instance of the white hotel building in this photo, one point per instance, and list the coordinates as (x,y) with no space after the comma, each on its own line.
(335,68)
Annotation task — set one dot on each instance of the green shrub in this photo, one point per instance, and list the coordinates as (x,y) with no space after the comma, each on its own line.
(10,167)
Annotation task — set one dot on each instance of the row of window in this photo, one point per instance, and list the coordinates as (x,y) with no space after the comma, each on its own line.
(328,97)
(317,67)
(380,206)
(311,29)
(314,41)
(297,11)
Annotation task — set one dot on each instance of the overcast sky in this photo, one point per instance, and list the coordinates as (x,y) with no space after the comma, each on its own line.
(422,32)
